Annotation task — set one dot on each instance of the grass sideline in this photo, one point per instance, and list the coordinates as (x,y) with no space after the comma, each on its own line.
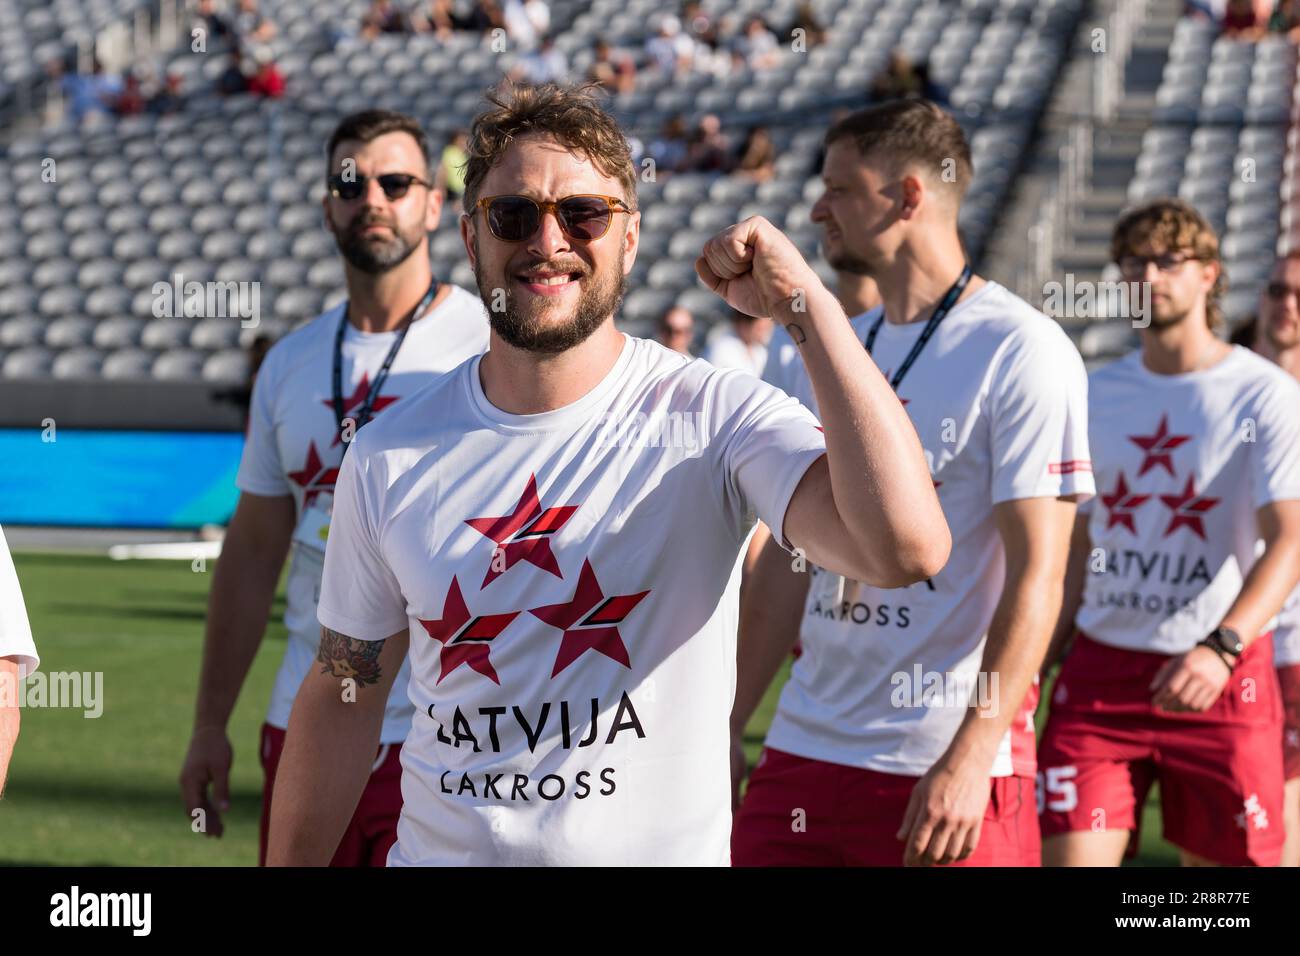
(103,791)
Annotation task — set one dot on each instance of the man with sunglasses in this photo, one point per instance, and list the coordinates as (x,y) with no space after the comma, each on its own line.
(399,329)
(1275,334)
(554,530)
(900,737)
(1169,598)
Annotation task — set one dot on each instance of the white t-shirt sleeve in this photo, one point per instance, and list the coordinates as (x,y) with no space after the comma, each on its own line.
(15,629)
(768,442)
(1275,464)
(260,470)
(359,595)
(1039,421)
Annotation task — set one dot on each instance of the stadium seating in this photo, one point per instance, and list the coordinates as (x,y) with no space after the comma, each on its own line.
(229,188)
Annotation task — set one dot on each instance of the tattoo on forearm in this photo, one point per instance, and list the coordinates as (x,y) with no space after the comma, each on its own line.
(344,656)
(796,333)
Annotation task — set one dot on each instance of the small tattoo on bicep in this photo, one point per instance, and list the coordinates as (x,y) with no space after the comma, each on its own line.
(796,333)
(344,656)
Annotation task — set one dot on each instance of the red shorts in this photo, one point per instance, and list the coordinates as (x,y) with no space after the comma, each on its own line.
(1288,679)
(373,829)
(1219,773)
(802,812)
(1024,758)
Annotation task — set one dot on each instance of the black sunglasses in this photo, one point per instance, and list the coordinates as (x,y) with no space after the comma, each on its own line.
(394,185)
(516,218)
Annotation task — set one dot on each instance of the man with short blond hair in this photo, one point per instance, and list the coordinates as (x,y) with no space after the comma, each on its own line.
(566,589)
(1169,599)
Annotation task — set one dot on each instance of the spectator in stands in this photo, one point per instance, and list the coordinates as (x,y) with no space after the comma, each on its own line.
(168,98)
(709,150)
(546,64)
(250,26)
(676,329)
(757,156)
(1285,18)
(1211,10)
(757,44)
(669,150)
(814,34)
(899,80)
(527,21)
(267,80)
(442,20)
(670,50)
(217,32)
(699,24)
(233,80)
(91,94)
(612,69)
(743,346)
(131,100)
(1241,21)
(451,167)
(383,17)
(486,15)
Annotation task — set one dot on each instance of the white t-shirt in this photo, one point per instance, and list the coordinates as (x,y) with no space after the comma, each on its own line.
(293,448)
(726,350)
(1183,462)
(15,630)
(999,400)
(1286,634)
(570,583)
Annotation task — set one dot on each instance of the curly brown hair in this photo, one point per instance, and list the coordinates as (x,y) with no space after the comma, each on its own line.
(569,114)
(1172,225)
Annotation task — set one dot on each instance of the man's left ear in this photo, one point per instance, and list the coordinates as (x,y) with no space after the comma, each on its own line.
(433,209)
(631,241)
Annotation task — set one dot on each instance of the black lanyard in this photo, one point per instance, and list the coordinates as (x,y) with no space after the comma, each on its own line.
(363,415)
(941,310)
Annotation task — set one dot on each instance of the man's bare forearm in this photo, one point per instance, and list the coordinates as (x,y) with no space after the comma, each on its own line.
(770,612)
(10,716)
(1270,581)
(329,748)
(1017,642)
(880,480)
(239,604)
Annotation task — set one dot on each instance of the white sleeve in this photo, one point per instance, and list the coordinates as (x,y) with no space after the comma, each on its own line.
(260,470)
(1039,420)
(768,442)
(359,595)
(15,629)
(1275,461)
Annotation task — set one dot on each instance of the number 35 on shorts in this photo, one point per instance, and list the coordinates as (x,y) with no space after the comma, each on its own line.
(1056,790)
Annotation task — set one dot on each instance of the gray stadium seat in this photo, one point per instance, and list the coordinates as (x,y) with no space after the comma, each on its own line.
(178,365)
(127,364)
(77,364)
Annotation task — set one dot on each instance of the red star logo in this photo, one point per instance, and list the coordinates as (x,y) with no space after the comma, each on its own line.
(357,399)
(1188,509)
(589,621)
(1121,503)
(524,534)
(465,639)
(315,475)
(1158,448)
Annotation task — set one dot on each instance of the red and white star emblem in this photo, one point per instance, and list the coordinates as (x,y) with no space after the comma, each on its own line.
(1159,447)
(358,398)
(1188,509)
(589,621)
(465,639)
(1121,503)
(524,534)
(313,476)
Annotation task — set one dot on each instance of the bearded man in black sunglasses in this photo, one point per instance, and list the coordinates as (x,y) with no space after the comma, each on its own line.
(553,531)
(399,329)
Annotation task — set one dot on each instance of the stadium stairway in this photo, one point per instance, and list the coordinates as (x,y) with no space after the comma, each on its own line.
(1108,164)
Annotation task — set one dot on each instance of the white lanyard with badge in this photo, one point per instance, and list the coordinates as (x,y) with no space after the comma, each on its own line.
(312,530)
(832,586)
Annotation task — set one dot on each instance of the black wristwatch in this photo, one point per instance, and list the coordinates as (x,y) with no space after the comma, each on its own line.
(1225,642)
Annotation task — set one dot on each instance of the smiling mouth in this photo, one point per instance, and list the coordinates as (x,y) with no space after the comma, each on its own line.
(548,283)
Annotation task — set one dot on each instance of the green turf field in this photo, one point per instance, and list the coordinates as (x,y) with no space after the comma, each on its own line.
(103,791)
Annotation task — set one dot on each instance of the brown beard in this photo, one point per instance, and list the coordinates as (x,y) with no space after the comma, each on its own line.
(598,297)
